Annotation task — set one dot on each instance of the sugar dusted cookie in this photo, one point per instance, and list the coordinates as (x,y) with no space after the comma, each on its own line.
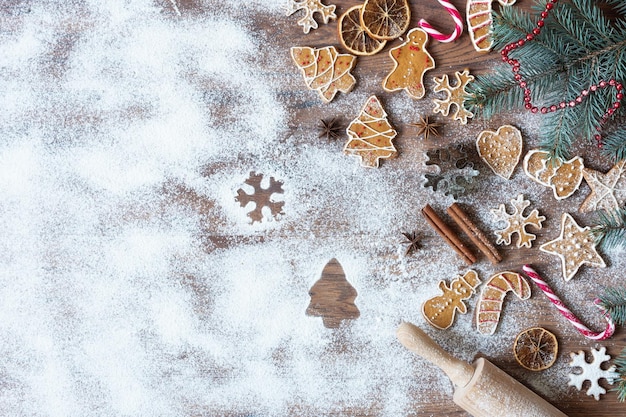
(564,177)
(370,136)
(455,95)
(479,22)
(325,70)
(575,246)
(517,223)
(440,311)
(501,150)
(411,61)
(608,191)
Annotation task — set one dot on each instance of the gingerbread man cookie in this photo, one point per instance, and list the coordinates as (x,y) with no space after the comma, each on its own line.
(325,70)
(441,310)
(411,61)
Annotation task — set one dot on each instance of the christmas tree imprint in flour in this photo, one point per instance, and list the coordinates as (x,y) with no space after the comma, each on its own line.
(332,297)
(261,197)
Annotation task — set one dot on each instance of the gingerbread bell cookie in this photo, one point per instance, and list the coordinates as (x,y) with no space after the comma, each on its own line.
(564,177)
(440,311)
(501,150)
(575,246)
(370,136)
(492,298)
(325,70)
(411,61)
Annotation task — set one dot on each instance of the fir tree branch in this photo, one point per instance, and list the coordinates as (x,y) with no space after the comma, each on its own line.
(613,300)
(611,229)
(620,364)
(615,145)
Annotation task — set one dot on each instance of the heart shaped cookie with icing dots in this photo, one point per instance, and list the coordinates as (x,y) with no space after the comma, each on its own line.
(501,150)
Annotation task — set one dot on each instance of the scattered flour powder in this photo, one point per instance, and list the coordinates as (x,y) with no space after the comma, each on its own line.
(114,300)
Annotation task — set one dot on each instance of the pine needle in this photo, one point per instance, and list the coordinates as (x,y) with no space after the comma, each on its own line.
(611,230)
(613,300)
(620,364)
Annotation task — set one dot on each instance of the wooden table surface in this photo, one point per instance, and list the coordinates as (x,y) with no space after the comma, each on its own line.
(450,58)
(305,111)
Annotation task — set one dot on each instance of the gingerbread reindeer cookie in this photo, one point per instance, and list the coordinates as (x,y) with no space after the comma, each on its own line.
(411,61)
(441,310)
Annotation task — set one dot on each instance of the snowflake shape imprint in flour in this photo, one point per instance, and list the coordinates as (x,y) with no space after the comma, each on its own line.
(591,372)
(455,174)
(517,223)
(262,197)
(310,7)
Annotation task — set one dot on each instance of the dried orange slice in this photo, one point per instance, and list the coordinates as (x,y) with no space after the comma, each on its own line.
(536,349)
(354,37)
(385,19)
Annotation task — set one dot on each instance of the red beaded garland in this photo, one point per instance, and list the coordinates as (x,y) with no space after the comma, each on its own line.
(515,66)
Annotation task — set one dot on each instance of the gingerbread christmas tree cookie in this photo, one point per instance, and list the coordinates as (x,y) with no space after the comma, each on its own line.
(608,191)
(370,135)
(575,246)
(325,70)
(441,310)
(411,60)
(455,96)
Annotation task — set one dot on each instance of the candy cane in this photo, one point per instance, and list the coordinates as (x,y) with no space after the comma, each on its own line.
(584,330)
(458,24)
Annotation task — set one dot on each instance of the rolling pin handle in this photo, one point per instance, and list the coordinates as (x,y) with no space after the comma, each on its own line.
(415,340)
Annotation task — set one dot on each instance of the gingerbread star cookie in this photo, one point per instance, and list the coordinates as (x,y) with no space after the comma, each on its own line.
(411,61)
(575,246)
(608,191)
(370,135)
(325,70)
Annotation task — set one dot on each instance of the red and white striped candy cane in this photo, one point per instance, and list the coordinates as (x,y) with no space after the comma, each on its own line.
(584,330)
(458,24)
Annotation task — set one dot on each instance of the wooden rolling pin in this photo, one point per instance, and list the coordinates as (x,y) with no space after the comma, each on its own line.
(481,388)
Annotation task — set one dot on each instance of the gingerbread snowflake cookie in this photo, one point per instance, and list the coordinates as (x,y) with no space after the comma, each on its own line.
(575,246)
(411,61)
(311,7)
(370,136)
(591,371)
(455,95)
(325,70)
(501,150)
(440,311)
(517,223)
(564,177)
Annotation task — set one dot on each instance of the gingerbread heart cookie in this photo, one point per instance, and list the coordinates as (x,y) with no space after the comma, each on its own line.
(501,150)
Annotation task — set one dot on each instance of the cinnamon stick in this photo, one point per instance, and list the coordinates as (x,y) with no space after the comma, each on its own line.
(474,233)
(448,235)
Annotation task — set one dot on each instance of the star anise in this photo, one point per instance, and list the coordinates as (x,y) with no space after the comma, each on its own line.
(330,128)
(412,241)
(426,128)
